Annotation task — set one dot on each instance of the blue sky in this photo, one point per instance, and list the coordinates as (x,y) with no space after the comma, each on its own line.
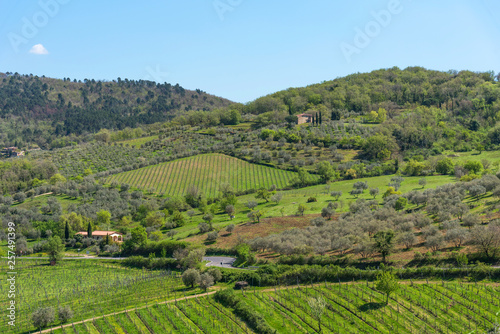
(244,49)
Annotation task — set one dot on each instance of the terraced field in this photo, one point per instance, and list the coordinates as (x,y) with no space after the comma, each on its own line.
(206,171)
(450,307)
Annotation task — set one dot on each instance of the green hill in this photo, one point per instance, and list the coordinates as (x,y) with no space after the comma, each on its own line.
(206,172)
(76,107)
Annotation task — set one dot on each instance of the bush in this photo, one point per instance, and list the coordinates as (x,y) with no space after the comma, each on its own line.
(212,236)
(204,228)
(311,199)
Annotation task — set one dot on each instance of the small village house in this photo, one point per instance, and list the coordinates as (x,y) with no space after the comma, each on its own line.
(97,235)
(304,118)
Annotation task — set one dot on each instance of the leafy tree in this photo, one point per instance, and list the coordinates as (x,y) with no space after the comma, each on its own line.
(264,194)
(55,248)
(390,191)
(414,168)
(486,239)
(138,236)
(230,228)
(154,219)
(444,166)
(103,218)
(326,171)
(457,236)
(327,212)
(422,182)
(317,306)
(379,147)
(384,242)
(251,204)
(230,211)
(301,209)
(435,242)
(19,197)
(276,198)
(193,196)
(212,236)
(206,281)
(471,220)
(57,178)
(387,283)
(473,166)
(65,313)
(401,203)
(336,194)
(215,273)
(42,317)
(408,239)
(190,277)
(255,215)
(374,192)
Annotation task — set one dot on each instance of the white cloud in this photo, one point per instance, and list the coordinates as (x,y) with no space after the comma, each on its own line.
(39,49)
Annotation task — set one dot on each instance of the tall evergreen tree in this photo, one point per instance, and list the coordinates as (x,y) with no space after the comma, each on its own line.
(66,231)
(107,239)
(320,117)
(89,231)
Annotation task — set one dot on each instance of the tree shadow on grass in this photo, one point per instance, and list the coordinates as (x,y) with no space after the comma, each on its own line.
(371,306)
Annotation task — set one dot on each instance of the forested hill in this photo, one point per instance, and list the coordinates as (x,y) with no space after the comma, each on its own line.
(75,107)
(471,96)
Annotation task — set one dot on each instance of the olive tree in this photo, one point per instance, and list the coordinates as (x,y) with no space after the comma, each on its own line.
(190,277)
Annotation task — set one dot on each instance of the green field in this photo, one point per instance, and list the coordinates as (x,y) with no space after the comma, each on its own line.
(449,307)
(89,287)
(205,171)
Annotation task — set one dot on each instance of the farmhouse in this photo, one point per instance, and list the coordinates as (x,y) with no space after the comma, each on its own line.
(304,118)
(115,236)
(12,152)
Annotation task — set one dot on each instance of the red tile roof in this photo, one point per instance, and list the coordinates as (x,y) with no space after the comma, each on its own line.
(100,233)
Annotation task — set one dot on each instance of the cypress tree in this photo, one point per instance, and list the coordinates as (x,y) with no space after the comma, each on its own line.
(66,231)
(107,239)
(320,118)
(89,231)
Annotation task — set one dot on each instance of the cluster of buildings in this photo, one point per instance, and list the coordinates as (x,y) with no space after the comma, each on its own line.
(13,151)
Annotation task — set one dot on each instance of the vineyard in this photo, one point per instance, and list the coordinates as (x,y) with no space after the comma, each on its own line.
(90,288)
(450,307)
(206,172)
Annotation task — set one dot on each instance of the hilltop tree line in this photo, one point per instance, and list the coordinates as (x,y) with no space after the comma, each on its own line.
(66,107)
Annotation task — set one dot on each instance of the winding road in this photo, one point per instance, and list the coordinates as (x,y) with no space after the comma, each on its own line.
(220,261)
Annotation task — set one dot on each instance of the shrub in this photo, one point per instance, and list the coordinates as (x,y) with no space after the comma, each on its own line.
(212,236)
(204,227)
(311,199)
(255,321)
